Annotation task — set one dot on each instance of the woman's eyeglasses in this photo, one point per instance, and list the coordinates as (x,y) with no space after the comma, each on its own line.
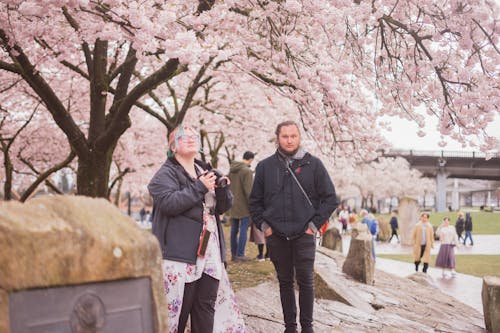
(193,137)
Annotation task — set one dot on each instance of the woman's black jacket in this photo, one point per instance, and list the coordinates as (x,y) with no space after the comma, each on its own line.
(178,211)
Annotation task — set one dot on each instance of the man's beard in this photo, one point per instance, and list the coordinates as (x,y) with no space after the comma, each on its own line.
(290,154)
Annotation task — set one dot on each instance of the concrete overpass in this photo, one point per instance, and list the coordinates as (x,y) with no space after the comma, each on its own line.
(450,164)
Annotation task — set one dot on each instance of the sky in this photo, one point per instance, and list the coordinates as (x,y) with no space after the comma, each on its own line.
(404,136)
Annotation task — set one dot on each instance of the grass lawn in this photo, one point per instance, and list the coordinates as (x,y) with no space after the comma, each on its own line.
(477,265)
(483,223)
(250,273)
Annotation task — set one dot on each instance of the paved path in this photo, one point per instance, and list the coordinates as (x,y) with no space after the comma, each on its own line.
(465,288)
(483,244)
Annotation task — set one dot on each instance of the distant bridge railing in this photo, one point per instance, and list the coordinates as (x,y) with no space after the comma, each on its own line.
(440,153)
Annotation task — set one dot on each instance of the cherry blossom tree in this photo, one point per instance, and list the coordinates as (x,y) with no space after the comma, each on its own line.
(343,64)
(380,179)
(32,145)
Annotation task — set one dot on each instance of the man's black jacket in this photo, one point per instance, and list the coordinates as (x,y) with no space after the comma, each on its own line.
(277,199)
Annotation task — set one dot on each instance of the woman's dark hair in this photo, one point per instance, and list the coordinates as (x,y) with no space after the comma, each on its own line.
(468,218)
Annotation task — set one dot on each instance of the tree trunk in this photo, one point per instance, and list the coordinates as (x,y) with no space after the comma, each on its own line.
(7,187)
(118,192)
(93,174)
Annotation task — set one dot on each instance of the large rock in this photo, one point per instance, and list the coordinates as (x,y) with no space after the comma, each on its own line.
(423,279)
(491,303)
(57,241)
(332,240)
(408,216)
(358,228)
(359,263)
(393,304)
(323,267)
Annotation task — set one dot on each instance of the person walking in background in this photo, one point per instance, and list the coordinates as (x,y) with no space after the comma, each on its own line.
(292,197)
(422,239)
(142,213)
(449,239)
(344,218)
(368,219)
(468,228)
(257,237)
(241,178)
(394,226)
(372,224)
(460,225)
(353,217)
(187,203)
(365,219)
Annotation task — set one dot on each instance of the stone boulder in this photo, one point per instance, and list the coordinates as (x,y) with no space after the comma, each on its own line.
(55,241)
(359,263)
(491,303)
(392,305)
(358,228)
(423,279)
(408,216)
(332,240)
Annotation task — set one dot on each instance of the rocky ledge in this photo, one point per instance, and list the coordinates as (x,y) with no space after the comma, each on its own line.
(391,304)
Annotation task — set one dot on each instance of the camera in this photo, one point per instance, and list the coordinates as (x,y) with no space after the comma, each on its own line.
(220,179)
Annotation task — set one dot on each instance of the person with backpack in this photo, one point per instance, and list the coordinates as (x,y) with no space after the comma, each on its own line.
(374,232)
(372,227)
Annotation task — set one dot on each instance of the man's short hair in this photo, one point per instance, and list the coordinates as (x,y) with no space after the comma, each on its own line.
(285,123)
(248,155)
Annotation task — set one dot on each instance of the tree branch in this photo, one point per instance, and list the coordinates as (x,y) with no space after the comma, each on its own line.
(75,136)
(9,67)
(42,176)
(120,120)
(273,82)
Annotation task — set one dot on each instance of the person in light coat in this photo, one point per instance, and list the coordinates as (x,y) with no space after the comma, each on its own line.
(422,239)
(449,239)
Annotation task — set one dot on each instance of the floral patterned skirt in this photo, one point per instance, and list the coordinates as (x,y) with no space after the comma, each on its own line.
(228,318)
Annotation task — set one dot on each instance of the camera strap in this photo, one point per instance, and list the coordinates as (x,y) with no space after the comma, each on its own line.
(298,183)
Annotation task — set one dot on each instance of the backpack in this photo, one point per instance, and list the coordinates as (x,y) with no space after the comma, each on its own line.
(374,227)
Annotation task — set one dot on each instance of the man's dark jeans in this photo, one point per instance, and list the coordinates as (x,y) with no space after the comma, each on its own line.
(239,226)
(295,258)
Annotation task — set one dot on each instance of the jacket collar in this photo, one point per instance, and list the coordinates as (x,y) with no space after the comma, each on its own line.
(204,165)
(300,155)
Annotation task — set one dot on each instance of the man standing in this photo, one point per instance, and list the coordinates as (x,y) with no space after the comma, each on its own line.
(394,226)
(241,179)
(468,228)
(292,197)
(423,241)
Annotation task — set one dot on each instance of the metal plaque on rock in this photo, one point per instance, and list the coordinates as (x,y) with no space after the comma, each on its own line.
(123,306)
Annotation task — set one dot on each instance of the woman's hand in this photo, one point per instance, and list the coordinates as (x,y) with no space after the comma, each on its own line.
(208,179)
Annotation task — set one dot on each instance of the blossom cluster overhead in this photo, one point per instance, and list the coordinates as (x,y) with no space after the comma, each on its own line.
(337,66)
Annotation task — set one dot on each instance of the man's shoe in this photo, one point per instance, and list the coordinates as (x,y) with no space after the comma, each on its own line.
(260,258)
